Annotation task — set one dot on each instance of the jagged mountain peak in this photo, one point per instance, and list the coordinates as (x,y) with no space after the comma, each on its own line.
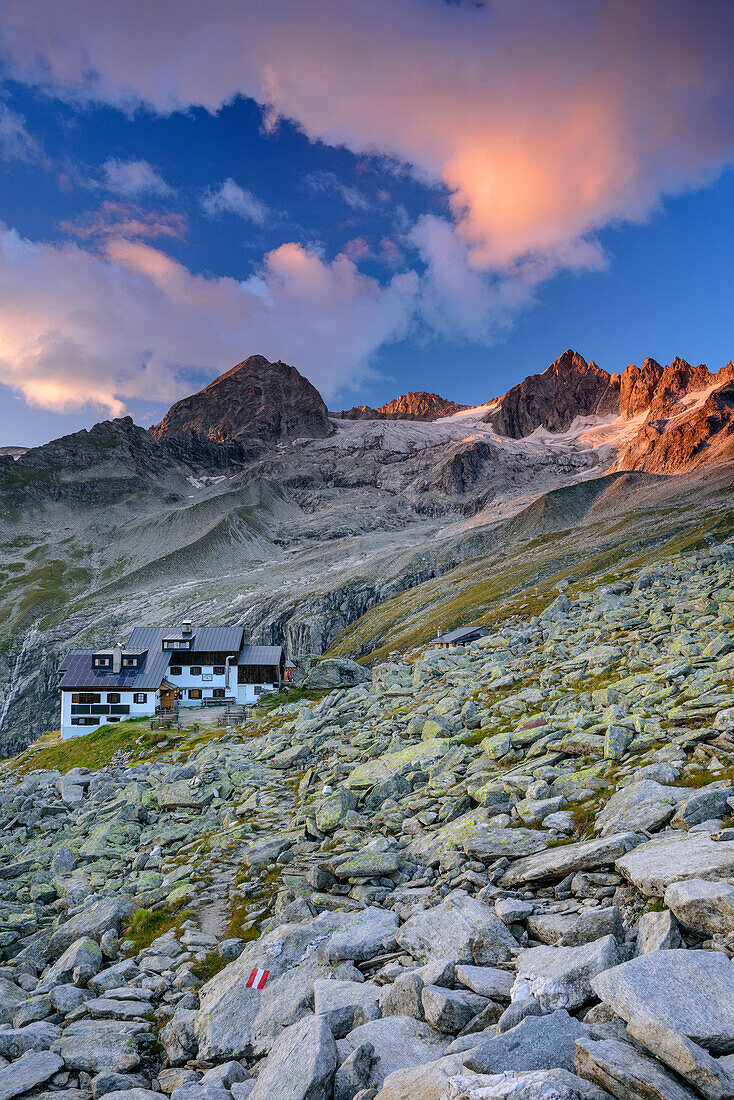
(256,401)
(568,388)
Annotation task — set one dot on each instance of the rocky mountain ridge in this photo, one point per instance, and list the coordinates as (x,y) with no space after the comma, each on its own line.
(677,417)
(570,387)
(419,405)
(493,872)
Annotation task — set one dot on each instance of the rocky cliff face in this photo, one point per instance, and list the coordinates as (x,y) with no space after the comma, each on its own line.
(702,436)
(418,405)
(687,413)
(256,402)
(684,410)
(570,387)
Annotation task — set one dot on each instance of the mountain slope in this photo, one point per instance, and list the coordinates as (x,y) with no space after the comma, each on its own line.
(248,504)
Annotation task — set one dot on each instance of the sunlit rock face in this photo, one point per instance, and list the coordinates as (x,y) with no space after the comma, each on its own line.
(418,405)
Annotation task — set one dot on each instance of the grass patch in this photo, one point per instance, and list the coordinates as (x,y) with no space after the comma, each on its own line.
(145,925)
(46,587)
(584,818)
(95,750)
(560,841)
(208,967)
(271,700)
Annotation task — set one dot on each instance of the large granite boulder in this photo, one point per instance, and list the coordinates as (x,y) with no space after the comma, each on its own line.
(642,805)
(617,1067)
(334,672)
(33,1069)
(474,834)
(92,922)
(561,977)
(399,1042)
(705,906)
(300,1065)
(425,1082)
(537,1042)
(673,856)
(234,1021)
(689,991)
(557,863)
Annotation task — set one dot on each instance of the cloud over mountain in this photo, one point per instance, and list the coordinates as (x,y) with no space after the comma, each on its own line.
(544,122)
(100,328)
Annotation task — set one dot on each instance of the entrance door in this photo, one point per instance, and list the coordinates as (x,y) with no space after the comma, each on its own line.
(168,698)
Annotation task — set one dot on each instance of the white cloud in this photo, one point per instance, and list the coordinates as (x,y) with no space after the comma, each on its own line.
(456,298)
(230,198)
(329,183)
(133,177)
(16,143)
(81,328)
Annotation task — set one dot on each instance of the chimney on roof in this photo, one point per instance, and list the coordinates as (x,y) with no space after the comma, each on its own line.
(186,627)
(439,632)
(117,658)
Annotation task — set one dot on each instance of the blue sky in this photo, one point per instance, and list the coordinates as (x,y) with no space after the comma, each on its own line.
(159,227)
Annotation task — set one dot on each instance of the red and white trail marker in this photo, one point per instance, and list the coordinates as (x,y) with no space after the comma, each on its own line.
(257,978)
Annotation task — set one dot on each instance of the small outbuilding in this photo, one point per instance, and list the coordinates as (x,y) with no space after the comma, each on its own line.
(461,636)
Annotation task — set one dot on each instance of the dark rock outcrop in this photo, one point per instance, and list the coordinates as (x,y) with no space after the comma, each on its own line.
(86,467)
(570,387)
(256,402)
(418,405)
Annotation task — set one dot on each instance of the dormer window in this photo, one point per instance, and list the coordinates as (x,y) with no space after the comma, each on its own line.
(177,643)
(101,661)
(131,662)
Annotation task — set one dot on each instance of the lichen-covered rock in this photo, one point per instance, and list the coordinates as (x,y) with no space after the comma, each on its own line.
(673,856)
(562,977)
(461,928)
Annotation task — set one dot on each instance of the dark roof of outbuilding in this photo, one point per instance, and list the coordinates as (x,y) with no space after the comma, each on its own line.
(462,632)
(78,673)
(260,655)
(204,639)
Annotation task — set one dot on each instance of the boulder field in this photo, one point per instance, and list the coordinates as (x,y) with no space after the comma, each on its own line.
(504,870)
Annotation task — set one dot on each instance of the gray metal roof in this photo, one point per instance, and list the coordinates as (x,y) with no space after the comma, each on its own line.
(78,673)
(463,632)
(260,655)
(125,651)
(204,639)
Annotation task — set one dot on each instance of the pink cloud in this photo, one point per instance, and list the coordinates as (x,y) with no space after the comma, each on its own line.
(357,248)
(119,220)
(544,121)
